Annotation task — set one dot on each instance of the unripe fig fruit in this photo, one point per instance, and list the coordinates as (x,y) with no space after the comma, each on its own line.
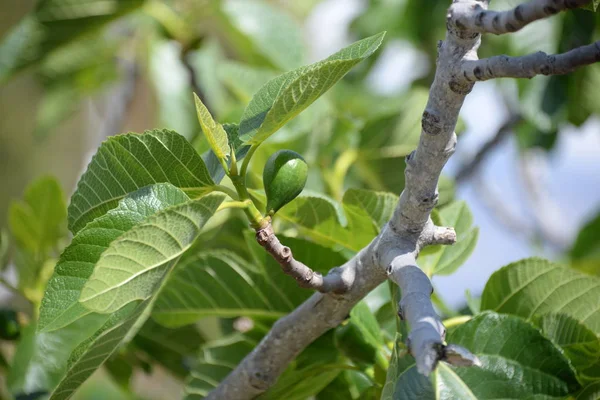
(284,178)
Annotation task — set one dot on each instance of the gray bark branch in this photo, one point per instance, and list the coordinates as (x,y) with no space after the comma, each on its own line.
(500,22)
(531,65)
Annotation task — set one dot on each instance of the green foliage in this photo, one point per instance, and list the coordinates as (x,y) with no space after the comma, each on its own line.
(220,283)
(360,339)
(154,276)
(284,97)
(126,163)
(55,23)
(444,260)
(534,287)
(517,363)
(36,225)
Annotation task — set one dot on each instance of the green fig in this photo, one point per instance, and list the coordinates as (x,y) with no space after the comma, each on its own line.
(284,177)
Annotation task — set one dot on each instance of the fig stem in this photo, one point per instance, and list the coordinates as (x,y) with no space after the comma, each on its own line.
(247,159)
(257,220)
(235,204)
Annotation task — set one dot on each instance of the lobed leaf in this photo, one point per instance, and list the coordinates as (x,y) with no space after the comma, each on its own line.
(126,163)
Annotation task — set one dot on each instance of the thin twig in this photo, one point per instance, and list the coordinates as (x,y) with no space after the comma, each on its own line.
(531,65)
(500,22)
(303,274)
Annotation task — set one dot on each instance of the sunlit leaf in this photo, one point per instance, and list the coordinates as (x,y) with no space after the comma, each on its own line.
(534,287)
(125,163)
(284,97)
(214,132)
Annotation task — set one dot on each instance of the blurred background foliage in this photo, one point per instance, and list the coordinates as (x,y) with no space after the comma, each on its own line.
(73,73)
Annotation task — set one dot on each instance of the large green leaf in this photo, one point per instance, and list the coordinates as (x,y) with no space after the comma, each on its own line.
(38,222)
(353,225)
(271,31)
(446,259)
(52,24)
(284,97)
(125,163)
(60,305)
(580,344)
(535,286)
(518,362)
(219,283)
(134,265)
(69,355)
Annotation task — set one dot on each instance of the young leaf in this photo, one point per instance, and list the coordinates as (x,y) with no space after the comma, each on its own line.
(535,286)
(60,305)
(214,132)
(134,264)
(126,163)
(517,363)
(284,97)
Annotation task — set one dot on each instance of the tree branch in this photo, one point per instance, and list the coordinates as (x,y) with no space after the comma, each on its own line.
(303,274)
(392,253)
(531,65)
(500,22)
